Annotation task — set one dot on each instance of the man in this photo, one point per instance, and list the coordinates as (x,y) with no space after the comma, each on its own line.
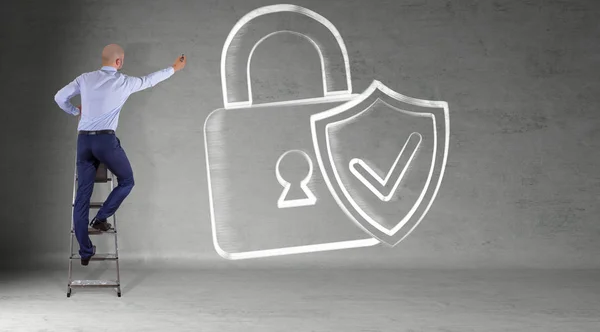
(103,93)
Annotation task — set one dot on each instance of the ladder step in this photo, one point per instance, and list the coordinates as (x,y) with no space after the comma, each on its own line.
(93,205)
(98,181)
(94,283)
(98,257)
(93,231)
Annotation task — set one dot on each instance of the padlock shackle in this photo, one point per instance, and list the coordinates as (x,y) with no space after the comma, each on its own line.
(242,42)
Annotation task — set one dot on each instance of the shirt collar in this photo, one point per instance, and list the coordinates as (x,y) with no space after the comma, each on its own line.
(108,68)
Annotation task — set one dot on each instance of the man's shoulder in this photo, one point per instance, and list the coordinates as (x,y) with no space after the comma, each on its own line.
(89,74)
(99,72)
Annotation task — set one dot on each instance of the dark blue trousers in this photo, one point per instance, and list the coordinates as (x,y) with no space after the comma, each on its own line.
(91,151)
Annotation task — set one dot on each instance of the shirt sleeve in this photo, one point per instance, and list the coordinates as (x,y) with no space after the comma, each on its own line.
(135,84)
(64,95)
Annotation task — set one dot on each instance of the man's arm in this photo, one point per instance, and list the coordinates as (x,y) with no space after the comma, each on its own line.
(135,84)
(64,95)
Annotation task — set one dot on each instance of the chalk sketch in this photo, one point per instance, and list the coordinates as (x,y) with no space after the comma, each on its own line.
(235,58)
(433,114)
(244,225)
(283,201)
(413,142)
(247,34)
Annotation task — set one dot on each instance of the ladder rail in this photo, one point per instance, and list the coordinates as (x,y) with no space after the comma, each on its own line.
(114,218)
(72,224)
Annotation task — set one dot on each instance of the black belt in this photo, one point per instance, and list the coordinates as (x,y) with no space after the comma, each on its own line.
(96,132)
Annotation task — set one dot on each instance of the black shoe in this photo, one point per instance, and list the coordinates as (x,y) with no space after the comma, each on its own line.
(86,261)
(101,225)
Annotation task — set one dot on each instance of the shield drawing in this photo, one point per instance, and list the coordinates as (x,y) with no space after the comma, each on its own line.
(383,156)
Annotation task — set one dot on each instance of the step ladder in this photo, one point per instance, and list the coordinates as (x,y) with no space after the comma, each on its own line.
(103,175)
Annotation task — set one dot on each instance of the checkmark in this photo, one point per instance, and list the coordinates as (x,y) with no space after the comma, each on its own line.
(384,189)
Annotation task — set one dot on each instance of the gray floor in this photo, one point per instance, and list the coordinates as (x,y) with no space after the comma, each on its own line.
(305,300)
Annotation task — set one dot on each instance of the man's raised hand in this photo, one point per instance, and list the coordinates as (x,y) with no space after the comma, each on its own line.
(180,63)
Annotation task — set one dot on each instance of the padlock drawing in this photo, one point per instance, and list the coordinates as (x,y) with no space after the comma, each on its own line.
(258,154)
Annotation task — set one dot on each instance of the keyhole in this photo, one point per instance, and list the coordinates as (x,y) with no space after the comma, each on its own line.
(295,190)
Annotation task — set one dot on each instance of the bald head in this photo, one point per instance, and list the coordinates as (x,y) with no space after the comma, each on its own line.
(113,55)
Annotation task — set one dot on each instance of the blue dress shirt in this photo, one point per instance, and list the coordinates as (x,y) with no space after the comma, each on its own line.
(103,93)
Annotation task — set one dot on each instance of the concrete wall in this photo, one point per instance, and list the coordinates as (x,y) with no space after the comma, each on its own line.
(521,80)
